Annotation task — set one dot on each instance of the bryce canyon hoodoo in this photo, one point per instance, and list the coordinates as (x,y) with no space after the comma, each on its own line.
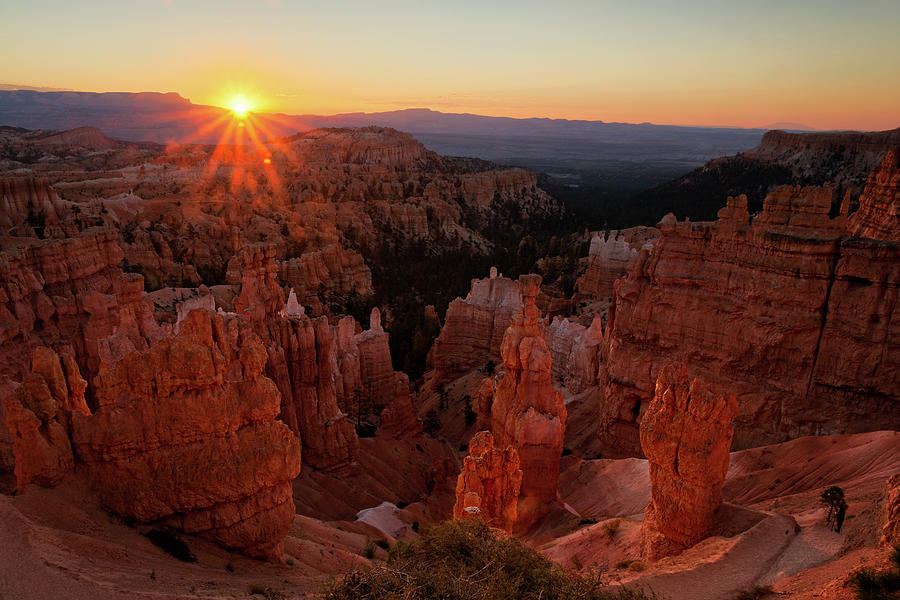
(248,350)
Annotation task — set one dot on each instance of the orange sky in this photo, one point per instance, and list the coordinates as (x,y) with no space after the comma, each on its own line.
(822,63)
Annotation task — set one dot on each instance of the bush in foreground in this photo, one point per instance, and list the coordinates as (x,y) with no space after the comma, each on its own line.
(878,585)
(464,560)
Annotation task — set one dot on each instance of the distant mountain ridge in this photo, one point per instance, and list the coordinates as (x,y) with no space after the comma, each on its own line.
(635,156)
(35,109)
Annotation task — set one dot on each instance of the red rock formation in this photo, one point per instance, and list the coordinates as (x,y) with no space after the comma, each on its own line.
(686,436)
(332,269)
(71,291)
(348,383)
(890,531)
(90,138)
(781,145)
(608,258)
(376,370)
(795,320)
(204,300)
(399,419)
(30,207)
(367,145)
(474,327)
(37,414)
(186,433)
(261,295)
(527,413)
(575,350)
(301,361)
(878,215)
(488,485)
(480,403)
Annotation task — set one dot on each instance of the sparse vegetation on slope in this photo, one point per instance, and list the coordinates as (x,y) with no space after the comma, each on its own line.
(464,560)
(869,584)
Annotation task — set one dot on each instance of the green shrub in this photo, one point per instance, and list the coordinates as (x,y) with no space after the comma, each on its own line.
(368,550)
(463,560)
(869,584)
(169,541)
(637,566)
(611,528)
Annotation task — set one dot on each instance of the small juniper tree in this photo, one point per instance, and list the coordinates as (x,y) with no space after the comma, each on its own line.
(833,498)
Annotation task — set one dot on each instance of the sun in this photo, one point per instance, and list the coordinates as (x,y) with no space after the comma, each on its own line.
(240,106)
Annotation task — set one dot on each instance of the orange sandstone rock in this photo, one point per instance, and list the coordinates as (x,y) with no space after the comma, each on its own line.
(488,485)
(35,419)
(608,258)
(399,419)
(481,402)
(890,532)
(302,361)
(784,310)
(474,327)
(527,413)
(72,292)
(186,433)
(878,215)
(375,366)
(686,436)
(576,352)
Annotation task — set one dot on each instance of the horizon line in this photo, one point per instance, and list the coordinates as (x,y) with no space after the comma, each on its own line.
(6,87)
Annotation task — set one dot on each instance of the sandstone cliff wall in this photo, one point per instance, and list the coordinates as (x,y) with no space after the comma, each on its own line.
(474,327)
(786,311)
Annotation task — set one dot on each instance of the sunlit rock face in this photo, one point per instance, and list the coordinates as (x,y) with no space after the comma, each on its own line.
(186,432)
(527,413)
(333,269)
(301,361)
(71,291)
(686,436)
(488,485)
(878,216)
(325,199)
(784,310)
(35,419)
(474,327)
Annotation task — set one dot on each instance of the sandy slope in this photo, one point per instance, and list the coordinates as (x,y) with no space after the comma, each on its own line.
(780,540)
(59,544)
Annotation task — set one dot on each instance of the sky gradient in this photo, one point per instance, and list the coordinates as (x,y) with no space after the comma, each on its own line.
(825,64)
